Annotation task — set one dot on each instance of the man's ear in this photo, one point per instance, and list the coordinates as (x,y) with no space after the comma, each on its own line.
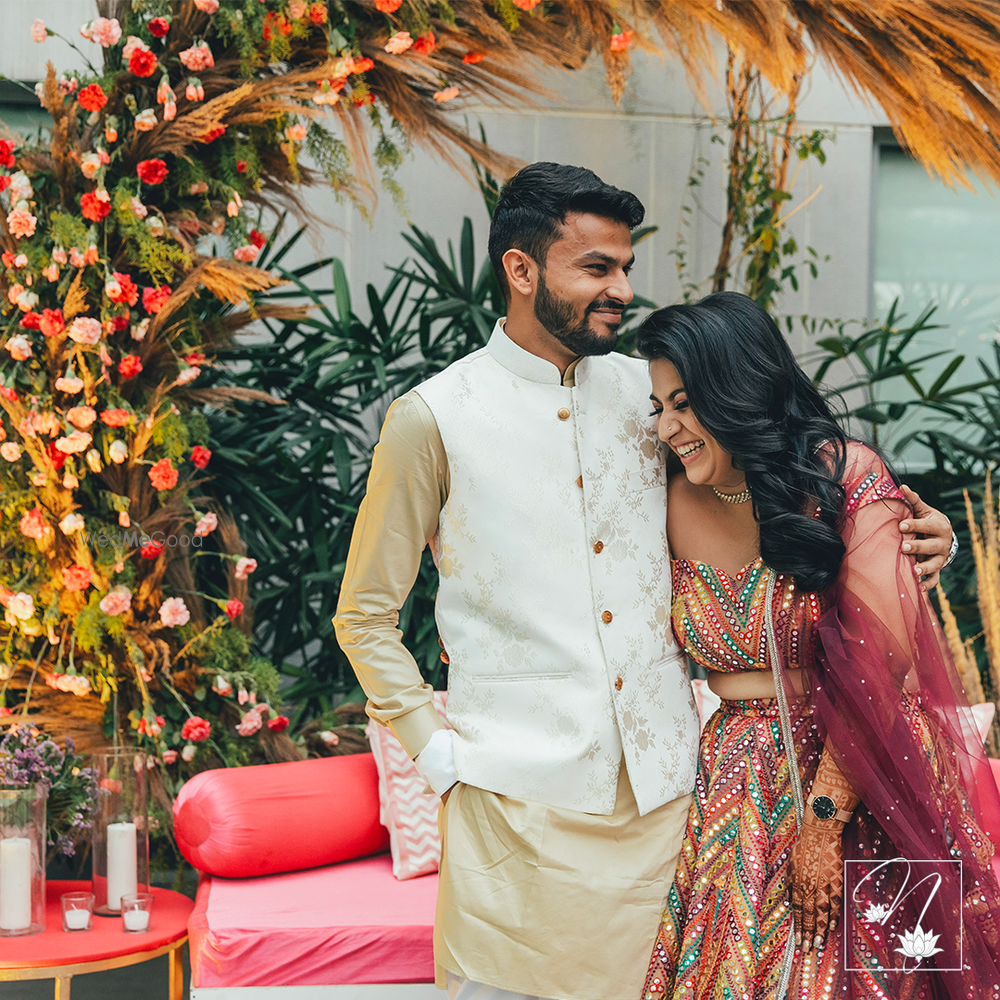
(521,271)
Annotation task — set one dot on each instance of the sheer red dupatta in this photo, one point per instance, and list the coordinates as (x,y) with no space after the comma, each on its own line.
(888,704)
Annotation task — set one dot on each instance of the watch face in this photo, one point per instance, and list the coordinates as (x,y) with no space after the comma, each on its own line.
(824,807)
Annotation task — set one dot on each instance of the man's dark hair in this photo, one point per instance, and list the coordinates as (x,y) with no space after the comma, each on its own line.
(534,203)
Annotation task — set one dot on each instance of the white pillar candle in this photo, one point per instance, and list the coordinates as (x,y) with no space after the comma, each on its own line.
(15,884)
(76,920)
(122,868)
(136,920)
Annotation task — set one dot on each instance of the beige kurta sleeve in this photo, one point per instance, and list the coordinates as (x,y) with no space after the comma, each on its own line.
(407,488)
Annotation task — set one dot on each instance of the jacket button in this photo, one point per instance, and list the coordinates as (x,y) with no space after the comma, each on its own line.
(579,481)
(445,658)
(563,414)
(598,547)
(618,684)
(606,617)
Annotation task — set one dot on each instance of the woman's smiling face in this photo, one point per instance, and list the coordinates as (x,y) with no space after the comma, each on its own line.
(705,461)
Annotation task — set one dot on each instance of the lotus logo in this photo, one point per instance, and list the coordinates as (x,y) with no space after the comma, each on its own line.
(876,913)
(918,943)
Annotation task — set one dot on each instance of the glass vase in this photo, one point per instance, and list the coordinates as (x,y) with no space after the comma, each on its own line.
(120,854)
(22,860)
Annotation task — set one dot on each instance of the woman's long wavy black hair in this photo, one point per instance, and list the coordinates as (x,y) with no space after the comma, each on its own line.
(745,386)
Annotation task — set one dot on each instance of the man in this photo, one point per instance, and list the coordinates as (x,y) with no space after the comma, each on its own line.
(533,469)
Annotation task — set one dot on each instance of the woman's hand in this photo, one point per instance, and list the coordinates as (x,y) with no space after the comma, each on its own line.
(817,875)
(931,550)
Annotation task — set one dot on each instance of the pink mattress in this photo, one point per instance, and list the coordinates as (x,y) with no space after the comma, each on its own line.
(344,924)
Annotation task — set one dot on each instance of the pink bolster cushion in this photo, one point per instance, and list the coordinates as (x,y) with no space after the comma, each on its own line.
(242,822)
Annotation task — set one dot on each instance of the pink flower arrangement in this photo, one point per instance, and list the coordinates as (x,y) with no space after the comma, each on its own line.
(196,729)
(244,567)
(117,601)
(76,577)
(33,524)
(197,58)
(163,475)
(174,612)
(250,723)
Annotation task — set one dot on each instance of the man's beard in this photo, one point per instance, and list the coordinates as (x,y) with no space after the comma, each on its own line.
(556,315)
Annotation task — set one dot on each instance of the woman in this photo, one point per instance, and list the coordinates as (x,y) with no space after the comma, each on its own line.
(775,503)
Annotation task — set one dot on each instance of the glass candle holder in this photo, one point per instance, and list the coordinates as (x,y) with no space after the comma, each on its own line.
(120,833)
(22,860)
(77,910)
(137,912)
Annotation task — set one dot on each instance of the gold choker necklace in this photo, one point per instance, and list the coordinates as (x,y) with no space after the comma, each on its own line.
(742,497)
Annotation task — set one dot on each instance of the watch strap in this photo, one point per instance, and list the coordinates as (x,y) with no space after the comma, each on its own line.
(841,815)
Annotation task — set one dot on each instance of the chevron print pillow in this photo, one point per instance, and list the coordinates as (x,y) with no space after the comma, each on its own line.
(405,810)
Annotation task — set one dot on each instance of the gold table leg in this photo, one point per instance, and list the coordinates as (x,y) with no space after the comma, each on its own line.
(176,975)
(62,987)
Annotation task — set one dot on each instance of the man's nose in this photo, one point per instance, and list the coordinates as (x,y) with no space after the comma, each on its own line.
(620,289)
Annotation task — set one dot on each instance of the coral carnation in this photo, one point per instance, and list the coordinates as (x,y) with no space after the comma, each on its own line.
(92,207)
(250,723)
(448,94)
(151,171)
(129,366)
(244,567)
(76,577)
(206,523)
(106,31)
(471,58)
(197,58)
(128,290)
(207,6)
(151,550)
(154,299)
(38,31)
(388,6)
(51,324)
(196,729)
(33,524)
(527,4)
(21,223)
(115,418)
(318,13)
(117,601)
(234,609)
(424,45)
(200,456)
(92,98)
(142,63)
(246,253)
(163,475)
(399,43)
(85,330)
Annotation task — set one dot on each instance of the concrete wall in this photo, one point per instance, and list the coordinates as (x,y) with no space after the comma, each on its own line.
(649,144)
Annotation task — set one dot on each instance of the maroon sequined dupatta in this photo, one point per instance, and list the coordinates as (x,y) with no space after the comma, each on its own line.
(887,701)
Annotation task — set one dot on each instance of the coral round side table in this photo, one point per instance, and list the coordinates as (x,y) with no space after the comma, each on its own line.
(56,954)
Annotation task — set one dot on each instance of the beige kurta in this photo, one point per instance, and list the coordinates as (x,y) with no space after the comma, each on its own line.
(532,899)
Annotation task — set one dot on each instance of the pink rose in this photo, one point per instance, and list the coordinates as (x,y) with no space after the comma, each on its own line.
(19,347)
(85,330)
(33,524)
(21,223)
(198,57)
(246,253)
(244,567)
(249,724)
(74,443)
(399,43)
(173,611)
(169,756)
(196,729)
(76,578)
(105,31)
(81,417)
(38,31)
(117,601)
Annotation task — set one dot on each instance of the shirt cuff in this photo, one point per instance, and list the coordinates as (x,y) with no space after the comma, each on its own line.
(436,762)
(414,729)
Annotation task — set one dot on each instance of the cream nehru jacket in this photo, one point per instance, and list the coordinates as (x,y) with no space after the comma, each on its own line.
(554,599)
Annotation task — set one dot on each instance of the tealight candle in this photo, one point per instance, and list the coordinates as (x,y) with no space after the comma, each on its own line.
(76,920)
(136,920)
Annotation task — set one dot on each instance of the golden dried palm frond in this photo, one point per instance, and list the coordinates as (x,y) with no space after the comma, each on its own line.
(986,551)
(962,651)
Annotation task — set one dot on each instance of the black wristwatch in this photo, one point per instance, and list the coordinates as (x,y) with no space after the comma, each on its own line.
(824,807)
